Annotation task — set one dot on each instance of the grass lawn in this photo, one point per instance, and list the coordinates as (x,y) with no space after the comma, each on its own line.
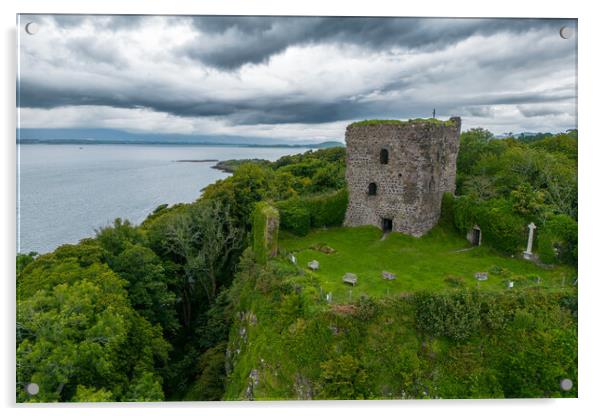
(418,263)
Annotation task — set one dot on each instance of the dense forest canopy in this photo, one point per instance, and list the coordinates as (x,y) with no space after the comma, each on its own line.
(147,312)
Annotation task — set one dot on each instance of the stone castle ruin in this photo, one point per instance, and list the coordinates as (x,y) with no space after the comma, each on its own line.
(398,171)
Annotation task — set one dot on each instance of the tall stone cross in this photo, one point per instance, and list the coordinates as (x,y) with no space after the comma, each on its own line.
(527,254)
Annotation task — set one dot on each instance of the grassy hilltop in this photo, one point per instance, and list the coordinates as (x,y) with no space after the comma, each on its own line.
(433,332)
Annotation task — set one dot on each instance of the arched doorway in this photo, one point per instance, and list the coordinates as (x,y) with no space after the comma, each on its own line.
(474,236)
(387,225)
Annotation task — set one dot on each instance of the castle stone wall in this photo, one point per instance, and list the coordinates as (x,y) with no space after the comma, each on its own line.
(421,168)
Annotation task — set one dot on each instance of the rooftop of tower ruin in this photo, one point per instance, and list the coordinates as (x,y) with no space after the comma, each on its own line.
(414,121)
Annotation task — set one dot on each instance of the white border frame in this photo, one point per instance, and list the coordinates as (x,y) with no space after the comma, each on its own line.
(590,347)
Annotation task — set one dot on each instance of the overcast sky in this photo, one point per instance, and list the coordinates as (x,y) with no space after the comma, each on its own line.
(300,78)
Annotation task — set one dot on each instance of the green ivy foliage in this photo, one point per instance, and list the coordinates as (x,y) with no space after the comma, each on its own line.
(262,245)
(294,216)
(500,226)
(558,240)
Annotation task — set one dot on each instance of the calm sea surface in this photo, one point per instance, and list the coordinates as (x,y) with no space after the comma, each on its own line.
(68,191)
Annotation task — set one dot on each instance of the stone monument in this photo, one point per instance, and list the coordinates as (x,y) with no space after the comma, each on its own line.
(528,254)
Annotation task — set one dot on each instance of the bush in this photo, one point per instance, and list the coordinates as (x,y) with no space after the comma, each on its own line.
(327,210)
(294,216)
(455,315)
(343,378)
(501,227)
(299,214)
(558,240)
(465,213)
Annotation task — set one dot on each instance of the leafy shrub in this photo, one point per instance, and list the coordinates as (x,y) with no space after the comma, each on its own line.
(328,209)
(367,308)
(465,213)
(331,176)
(501,227)
(558,240)
(455,315)
(342,378)
(299,214)
(294,216)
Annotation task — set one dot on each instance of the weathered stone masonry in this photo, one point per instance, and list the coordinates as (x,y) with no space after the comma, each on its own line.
(397,173)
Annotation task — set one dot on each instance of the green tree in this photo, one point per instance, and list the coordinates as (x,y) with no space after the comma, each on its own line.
(89,394)
(205,239)
(117,238)
(527,202)
(473,144)
(148,285)
(211,376)
(80,330)
(249,184)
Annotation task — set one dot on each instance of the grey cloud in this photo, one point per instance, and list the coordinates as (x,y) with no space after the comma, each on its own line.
(241,40)
(478,111)
(539,111)
(90,50)
(112,22)
(270,110)
(259,38)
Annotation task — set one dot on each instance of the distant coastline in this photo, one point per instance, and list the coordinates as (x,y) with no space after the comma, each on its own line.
(166,143)
(114,136)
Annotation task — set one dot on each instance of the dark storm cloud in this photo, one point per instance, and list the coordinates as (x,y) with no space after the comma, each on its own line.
(251,111)
(267,111)
(259,38)
(97,67)
(254,39)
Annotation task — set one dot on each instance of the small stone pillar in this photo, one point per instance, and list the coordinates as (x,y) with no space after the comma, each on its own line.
(528,253)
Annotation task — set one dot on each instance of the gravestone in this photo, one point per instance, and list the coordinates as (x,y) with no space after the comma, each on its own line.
(481,276)
(510,284)
(388,276)
(350,278)
(314,265)
(293,259)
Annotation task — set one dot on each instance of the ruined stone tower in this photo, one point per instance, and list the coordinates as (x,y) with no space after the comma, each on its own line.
(397,172)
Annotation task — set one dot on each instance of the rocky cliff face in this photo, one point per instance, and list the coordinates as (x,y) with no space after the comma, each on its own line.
(397,172)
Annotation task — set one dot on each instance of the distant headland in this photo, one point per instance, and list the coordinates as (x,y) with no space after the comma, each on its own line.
(113,136)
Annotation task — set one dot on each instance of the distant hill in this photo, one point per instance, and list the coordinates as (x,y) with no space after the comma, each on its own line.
(114,136)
